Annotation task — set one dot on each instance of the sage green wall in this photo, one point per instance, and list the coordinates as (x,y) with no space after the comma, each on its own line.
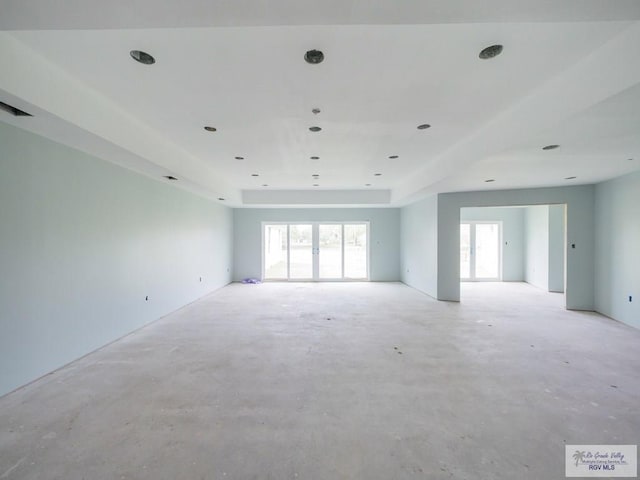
(618,248)
(82,243)
(545,246)
(556,248)
(419,245)
(536,221)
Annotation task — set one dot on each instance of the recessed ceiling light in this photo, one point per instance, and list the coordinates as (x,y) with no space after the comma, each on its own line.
(315,111)
(239,158)
(170,177)
(211,129)
(314,57)
(315,158)
(315,129)
(490,180)
(424,126)
(142,57)
(393,157)
(569,178)
(550,147)
(490,52)
(255,175)
(377,174)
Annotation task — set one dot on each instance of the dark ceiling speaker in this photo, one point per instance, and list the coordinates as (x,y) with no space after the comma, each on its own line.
(314,57)
(16,112)
(490,52)
(142,57)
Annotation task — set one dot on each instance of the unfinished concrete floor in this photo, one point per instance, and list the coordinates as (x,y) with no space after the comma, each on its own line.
(335,381)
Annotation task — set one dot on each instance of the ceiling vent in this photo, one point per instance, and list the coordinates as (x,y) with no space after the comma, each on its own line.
(16,112)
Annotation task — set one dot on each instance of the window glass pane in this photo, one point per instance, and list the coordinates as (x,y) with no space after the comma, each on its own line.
(487,250)
(330,254)
(275,251)
(355,251)
(301,253)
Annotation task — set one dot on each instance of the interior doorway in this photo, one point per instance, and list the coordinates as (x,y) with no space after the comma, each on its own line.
(480,251)
(522,243)
(315,251)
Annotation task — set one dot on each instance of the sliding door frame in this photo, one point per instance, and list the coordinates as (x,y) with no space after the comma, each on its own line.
(472,240)
(316,249)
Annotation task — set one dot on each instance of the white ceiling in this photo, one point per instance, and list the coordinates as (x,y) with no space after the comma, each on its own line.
(568,75)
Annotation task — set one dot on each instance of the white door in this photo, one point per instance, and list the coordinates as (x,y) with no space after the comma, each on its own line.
(329,251)
(480,252)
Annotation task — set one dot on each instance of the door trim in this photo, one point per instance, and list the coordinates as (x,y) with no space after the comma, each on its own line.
(315,234)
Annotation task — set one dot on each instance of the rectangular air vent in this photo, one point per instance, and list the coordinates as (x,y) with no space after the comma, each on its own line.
(16,112)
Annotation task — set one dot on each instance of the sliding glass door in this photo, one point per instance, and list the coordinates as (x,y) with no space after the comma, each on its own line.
(328,251)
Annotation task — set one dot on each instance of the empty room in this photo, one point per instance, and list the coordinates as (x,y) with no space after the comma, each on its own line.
(287,239)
